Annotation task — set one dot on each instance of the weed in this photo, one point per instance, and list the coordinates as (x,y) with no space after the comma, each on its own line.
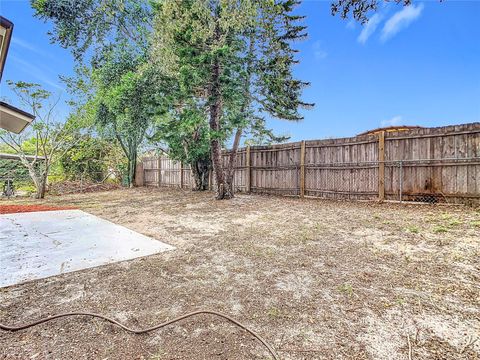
(157,356)
(457,256)
(413,229)
(346,289)
(475,223)
(273,312)
(400,301)
(446,216)
(440,229)
(454,222)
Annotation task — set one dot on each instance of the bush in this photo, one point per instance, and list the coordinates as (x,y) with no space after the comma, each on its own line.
(13,169)
(86,160)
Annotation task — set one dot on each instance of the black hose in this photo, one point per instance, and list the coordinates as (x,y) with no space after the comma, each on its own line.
(142,331)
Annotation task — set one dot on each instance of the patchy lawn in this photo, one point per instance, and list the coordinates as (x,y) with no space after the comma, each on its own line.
(317,279)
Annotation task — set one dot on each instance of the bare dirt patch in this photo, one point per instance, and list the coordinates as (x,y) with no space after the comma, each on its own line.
(317,279)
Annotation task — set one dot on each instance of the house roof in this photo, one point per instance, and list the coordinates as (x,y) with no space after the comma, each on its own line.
(6,28)
(13,119)
(390,129)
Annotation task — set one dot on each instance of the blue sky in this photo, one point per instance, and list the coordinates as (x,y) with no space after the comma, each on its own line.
(416,66)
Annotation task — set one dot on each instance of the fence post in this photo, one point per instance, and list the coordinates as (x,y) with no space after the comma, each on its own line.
(248,186)
(181,174)
(302,169)
(400,181)
(159,169)
(381,165)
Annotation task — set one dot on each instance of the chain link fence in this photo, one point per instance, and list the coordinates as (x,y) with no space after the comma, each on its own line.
(434,181)
(446,180)
(431,181)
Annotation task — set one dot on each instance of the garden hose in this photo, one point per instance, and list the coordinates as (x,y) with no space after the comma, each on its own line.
(142,331)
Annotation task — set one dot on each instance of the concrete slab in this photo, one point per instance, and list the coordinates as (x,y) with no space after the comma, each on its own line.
(42,244)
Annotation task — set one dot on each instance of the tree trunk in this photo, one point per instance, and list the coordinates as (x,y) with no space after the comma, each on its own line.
(132,168)
(232,158)
(200,173)
(131,165)
(223,189)
(128,172)
(41,186)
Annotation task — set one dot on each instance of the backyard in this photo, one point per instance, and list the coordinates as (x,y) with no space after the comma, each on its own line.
(317,279)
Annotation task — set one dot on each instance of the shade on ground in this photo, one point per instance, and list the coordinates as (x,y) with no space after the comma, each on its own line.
(41,244)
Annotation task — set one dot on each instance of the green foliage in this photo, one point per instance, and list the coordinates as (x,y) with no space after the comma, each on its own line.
(125,100)
(13,169)
(231,61)
(277,29)
(81,25)
(88,159)
(211,69)
(113,93)
(252,47)
(186,134)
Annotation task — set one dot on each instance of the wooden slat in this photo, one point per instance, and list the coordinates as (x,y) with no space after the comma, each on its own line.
(249,171)
(302,170)
(381,165)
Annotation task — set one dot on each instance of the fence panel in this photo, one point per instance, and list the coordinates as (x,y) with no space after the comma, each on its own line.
(275,169)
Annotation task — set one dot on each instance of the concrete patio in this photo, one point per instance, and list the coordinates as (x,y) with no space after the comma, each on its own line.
(41,244)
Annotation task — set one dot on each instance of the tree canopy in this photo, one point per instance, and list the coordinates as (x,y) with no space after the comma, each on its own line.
(234,61)
(196,72)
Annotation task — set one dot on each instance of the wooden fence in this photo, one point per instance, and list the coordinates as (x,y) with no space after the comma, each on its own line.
(425,164)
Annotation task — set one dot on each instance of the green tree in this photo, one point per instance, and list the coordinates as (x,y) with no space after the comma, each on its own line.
(124,101)
(185,133)
(90,159)
(46,139)
(109,40)
(234,59)
(95,25)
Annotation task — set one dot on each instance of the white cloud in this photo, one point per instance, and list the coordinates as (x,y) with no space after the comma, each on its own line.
(36,72)
(396,120)
(400,20)
(369,28)
(318,51)
(24,44)
(30,47)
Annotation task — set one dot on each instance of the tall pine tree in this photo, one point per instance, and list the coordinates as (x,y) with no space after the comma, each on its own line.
(239,58)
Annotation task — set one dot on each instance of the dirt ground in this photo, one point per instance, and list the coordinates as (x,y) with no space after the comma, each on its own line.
(317,279)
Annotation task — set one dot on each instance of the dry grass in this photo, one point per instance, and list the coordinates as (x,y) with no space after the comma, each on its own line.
(318,279)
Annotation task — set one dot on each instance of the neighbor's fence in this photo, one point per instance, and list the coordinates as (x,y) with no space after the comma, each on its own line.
(428,165)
